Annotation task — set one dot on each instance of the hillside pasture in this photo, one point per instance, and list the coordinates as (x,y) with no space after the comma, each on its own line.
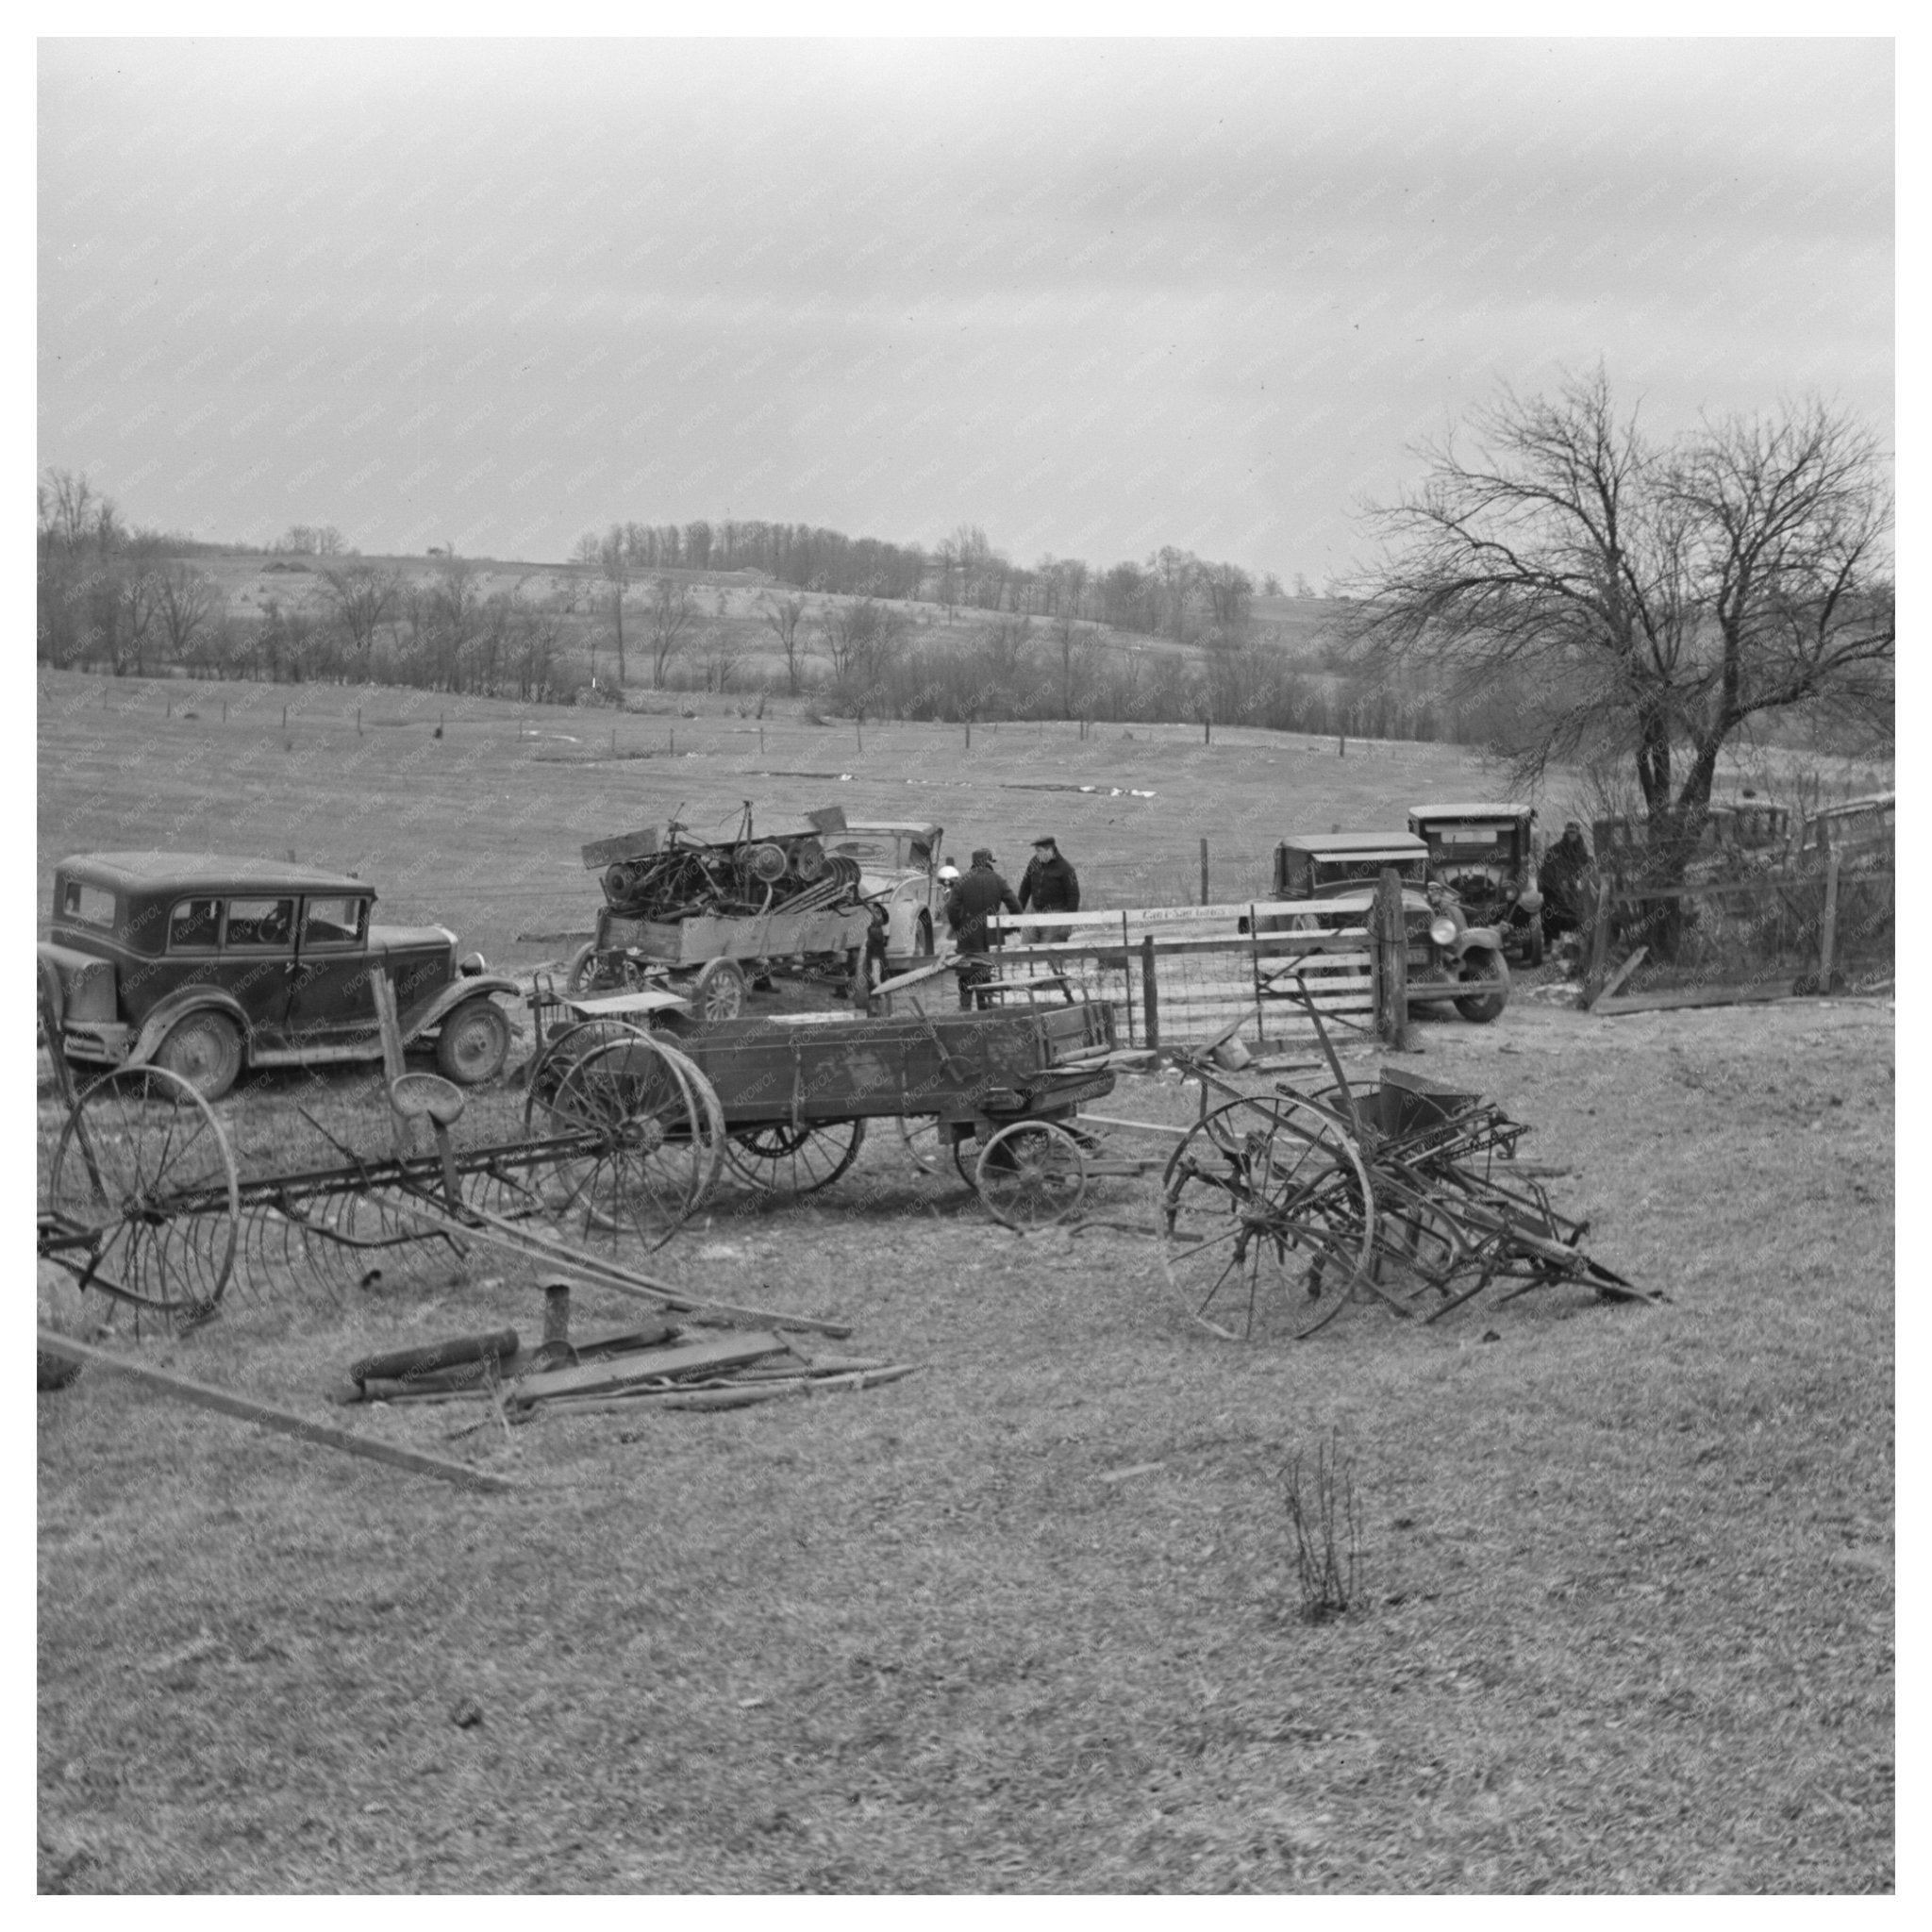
(1027,1621)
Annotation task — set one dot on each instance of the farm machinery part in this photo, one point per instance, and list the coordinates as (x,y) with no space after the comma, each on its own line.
(698,914)
(1287,1208)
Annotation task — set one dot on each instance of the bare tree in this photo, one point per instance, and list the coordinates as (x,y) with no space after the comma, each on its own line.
(672,610)
(455,616)
(186,601)
(1647,598)
(364,596)
(863,640)
(1076,646)
(590,549)
(784,615)
(614,561)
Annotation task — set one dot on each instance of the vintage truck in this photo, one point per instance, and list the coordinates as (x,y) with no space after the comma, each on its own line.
(1483,852)
(1450,961)
(205,965)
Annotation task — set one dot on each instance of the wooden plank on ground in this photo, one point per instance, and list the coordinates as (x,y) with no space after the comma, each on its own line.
(590,1378)
(1694,996)
(1620,975)
(266,1416)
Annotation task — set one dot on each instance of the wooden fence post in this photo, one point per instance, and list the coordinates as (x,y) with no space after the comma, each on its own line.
(1150,994)
(1127,972)
(1204,872)
(1599,945)
(1391,951)
(393,1064)
(1827,932)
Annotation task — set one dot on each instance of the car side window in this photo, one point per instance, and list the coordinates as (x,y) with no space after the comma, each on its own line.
(195,926)
(257,924)
(327,923)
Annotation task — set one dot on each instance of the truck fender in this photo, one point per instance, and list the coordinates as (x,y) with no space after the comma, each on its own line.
(437,1007)
(1474,939)
(177,1006)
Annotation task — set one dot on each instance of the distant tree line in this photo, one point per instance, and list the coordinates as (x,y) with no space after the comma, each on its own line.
(1172,593)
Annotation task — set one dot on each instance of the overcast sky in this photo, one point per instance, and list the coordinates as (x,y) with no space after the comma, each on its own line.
(1091,297)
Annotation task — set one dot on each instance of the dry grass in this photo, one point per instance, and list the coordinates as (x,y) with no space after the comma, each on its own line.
(1628,1622)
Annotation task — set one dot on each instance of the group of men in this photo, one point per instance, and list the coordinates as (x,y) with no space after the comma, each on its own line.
(1049,884)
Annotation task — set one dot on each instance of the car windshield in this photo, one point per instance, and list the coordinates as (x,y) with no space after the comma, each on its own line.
(1345,875)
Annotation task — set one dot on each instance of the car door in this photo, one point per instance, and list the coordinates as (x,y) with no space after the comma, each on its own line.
(329,993)
(258,959)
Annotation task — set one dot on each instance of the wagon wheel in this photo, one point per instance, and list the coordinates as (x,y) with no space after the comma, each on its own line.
(780,1158)
(1031,1175)
(652,1134)
(966,1160)
(144,1166)
(1267,1210)
(919,1134)
(568,1045)
(591,970)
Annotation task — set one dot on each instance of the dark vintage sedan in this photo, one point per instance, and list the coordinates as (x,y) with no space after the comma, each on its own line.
(205,965)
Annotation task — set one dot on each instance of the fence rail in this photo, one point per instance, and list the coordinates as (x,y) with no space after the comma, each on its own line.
(1188,973)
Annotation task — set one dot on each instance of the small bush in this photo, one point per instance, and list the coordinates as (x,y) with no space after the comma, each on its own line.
(1327,1532)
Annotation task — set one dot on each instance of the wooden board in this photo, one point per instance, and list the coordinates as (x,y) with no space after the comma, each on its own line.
(266,1416)
(682,1358)
(1664,1002)
(603,851)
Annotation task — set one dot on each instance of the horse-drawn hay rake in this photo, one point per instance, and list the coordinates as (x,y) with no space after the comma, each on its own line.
(144,1199)
(1288,1207)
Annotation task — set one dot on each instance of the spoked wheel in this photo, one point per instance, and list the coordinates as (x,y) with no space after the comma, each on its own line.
(144,1168)
(919,1134)
(1031,1175)
(719,991)
(966,1152)
(650,1135)
(590,970)
(1268,1216)
(780,1158)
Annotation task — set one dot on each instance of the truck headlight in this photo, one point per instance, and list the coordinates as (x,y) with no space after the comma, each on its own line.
(1442,929)
(472,964)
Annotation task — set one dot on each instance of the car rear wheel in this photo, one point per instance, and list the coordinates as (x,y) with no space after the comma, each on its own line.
(719,991)
(473,1043)
(1484,969)
(206,1051)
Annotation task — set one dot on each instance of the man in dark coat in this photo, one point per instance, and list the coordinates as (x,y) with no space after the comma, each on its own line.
(1049,884)
(980,893)
(1561,883)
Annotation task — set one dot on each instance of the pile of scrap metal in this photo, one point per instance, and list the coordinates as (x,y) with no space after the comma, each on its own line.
(679,879)
(650,1366)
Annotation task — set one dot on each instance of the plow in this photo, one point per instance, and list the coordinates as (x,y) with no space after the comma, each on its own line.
(1288,1208)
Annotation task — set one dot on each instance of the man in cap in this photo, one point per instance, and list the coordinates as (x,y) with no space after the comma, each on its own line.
(1561,881)
(980,893)
(1049,884)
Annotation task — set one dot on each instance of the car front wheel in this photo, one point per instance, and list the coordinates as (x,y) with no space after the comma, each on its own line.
(1484,969)
(473,1043)
(206,1051)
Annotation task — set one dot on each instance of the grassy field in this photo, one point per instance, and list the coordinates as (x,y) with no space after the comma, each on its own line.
(480,827)
(1627,1622)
